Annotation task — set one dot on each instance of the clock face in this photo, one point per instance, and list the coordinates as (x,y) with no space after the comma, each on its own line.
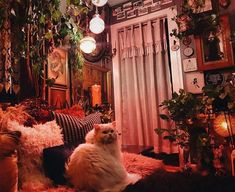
(188,51)
(100,50)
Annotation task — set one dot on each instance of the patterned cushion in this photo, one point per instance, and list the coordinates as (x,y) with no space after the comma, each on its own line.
(90,120)
(75,129)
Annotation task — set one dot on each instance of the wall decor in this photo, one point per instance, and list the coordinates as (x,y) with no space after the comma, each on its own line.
(116,11)
(155,6)
(190,64)
(127,6)
(165,1)
(137,4)
(218,77)
(188,51)
(213,48)
(131,13)
(58,66)
(57,97)
(199,6)
(194,82)
(121,15)
(126,11)
(147,3)
(142,11)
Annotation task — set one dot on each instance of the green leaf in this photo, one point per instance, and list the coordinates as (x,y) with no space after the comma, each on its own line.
(48,35)
(164,117)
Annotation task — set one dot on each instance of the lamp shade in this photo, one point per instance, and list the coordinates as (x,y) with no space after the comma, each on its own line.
(97,24)
(221,125)
(88,44)
(99,3)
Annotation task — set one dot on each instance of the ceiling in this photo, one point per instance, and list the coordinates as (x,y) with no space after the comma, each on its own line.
(115,2)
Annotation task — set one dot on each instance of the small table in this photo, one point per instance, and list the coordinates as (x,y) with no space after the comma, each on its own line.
(138,149)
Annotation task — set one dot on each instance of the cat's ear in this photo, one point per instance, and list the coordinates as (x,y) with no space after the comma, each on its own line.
(114,123)
(96,127)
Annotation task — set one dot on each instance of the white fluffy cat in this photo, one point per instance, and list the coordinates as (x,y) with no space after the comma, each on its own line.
(96,165)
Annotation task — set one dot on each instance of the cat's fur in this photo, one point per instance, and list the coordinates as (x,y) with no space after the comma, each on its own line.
(96,165)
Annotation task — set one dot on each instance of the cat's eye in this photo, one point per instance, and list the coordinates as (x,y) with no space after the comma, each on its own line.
(105,132)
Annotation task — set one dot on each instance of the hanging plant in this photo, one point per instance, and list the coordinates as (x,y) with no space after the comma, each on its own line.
(42,27)
(191,22)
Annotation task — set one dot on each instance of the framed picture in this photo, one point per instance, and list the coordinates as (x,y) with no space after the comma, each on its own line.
(199,6)
(121,15)
(58,66)
(213,48)
(57,97)
(130,14)
(194,82)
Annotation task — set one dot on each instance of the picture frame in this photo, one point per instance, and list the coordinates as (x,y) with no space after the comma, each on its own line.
(121,15)
(58,97)
(58,66)
(207,6)
(214,49)
(194,82)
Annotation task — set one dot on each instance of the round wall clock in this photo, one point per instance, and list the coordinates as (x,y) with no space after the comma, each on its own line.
(100,50)
(188,51)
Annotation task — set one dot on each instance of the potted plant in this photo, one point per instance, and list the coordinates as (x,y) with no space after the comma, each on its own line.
(186,111)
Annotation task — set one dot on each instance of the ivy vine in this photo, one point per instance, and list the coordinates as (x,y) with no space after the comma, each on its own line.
(42,26)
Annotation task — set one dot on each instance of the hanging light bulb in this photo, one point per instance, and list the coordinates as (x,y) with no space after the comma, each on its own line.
(97,24)
(99,3)
(87,44)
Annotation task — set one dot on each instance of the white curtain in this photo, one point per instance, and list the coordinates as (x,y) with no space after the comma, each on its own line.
(144,82)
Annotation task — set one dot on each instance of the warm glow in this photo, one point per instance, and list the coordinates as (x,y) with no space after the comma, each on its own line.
(99,3)
(97,24)
(96,94)
(224,125)
(88,44)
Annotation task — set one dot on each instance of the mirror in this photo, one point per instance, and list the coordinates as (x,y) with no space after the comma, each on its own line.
(213,47)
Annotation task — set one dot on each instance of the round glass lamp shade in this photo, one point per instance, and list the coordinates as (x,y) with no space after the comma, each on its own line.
(99,3)
(97,24)
(88,44)
(221,126)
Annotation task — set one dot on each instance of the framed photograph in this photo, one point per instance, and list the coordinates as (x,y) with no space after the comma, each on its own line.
(130,14)
(165,2)
(58,66)
(127,6)
(57,97)
(143,11)
(147,3)
(155,6)
(116,11)
(121,15)
(199,6)
(194,82)
(137,4)
(213,48)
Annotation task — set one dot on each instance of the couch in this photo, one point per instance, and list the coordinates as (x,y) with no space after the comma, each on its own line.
(48,137)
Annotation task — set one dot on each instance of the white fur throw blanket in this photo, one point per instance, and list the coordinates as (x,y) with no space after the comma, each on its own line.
(32,142)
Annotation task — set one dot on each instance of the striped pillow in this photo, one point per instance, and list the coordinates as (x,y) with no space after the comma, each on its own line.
(72,128)
(90,120)
(75,129)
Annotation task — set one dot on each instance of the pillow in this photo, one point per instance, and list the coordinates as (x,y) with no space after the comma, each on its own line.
(75,110)
(72,128)
(32,142)
(75,129)
(54,160)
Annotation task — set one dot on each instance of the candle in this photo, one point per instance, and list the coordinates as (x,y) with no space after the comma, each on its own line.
(96,94)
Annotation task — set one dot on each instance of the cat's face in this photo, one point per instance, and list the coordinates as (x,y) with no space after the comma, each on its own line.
(105,133)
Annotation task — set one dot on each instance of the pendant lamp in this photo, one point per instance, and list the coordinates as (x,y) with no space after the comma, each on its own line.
(97,24)
(87,44)
(99,3)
